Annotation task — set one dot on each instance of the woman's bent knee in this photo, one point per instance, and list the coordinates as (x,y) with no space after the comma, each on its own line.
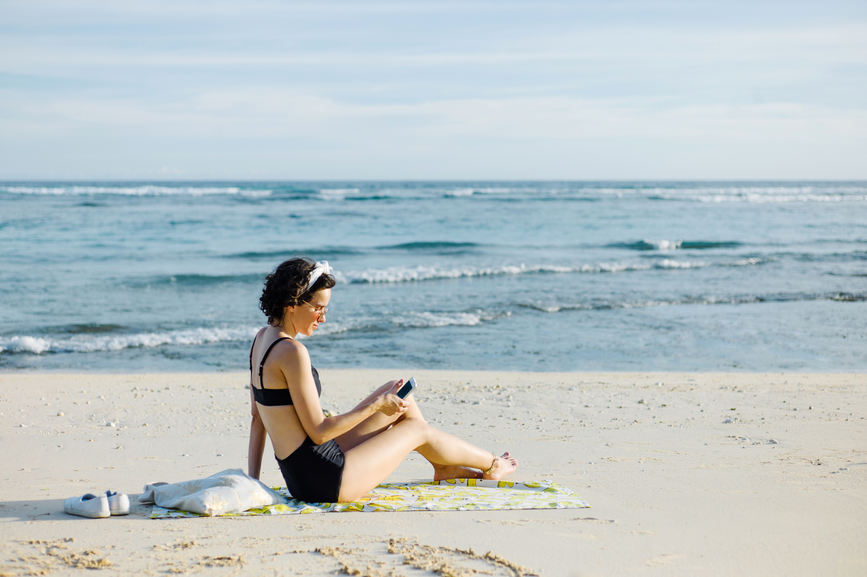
(414,425)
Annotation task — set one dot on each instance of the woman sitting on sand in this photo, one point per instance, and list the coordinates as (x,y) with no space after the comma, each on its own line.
(341,458)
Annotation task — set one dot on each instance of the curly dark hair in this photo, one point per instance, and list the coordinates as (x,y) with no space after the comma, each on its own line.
(287,286)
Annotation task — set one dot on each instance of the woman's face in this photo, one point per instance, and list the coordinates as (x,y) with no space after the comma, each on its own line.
(307,317)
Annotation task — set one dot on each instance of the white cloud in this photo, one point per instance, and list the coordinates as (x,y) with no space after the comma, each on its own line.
(518,89)
(269,112)
(672,48)
(507,136)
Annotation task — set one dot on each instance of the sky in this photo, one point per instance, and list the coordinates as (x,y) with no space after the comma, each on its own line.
(283,90)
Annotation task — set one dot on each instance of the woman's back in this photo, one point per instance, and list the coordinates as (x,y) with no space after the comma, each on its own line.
(271,390)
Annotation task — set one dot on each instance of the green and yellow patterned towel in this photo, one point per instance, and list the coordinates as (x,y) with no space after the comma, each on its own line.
(451,495)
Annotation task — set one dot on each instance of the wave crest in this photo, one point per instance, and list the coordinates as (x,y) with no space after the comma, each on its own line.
(129,190)
(647,244)
(432,320)
(704,300)
(420,273)
(91,343)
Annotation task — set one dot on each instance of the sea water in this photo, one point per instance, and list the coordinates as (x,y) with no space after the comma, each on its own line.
(530,276)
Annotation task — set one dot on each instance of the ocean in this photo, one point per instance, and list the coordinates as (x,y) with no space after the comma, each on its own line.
(525,276)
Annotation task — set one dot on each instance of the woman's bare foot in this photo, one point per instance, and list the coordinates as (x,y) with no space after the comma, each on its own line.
(443,472)
(503,465)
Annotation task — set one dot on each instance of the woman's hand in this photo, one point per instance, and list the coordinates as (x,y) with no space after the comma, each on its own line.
(389,403)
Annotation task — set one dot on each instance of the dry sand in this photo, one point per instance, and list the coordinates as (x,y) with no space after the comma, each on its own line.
(688,474)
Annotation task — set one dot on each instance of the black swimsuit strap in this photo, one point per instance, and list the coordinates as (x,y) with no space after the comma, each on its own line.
(262,364)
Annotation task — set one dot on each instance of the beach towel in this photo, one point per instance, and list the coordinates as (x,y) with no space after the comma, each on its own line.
(450,495)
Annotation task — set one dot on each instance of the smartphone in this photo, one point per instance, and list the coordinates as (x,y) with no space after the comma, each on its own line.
(407,388)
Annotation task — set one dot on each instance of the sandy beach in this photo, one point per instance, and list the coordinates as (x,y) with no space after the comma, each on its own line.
(687,474)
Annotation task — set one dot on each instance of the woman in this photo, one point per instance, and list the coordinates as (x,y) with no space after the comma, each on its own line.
(340,458)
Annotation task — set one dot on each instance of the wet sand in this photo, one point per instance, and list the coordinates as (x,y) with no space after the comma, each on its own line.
(687,474)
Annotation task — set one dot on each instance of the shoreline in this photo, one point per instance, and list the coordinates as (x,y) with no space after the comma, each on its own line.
(674,488)
(798,372)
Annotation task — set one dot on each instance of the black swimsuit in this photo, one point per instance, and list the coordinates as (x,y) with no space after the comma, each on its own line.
(313,473)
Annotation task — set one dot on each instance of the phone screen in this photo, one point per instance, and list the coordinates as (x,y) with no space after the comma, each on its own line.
(406,388)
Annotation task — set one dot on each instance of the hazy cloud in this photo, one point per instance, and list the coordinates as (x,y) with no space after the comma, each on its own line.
(481,90)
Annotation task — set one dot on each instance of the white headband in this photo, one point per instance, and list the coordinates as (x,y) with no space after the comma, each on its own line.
(320,268)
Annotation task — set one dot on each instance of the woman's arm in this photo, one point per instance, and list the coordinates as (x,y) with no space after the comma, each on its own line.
(295,364)
(256,448)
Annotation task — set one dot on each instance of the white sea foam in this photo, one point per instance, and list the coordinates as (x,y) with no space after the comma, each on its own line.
(775,198)
(332,328)
(337,193)
(704,300)
(746,194)
(428,319)
(664,244)
(409,319)
(399,274)
(469,191)
(712,300)
(144,190)
(748,261)
(90,343)
(676,264)
(762,195)
(25,344)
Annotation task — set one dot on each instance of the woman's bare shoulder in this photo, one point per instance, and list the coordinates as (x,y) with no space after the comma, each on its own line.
(284,349)
(292,352)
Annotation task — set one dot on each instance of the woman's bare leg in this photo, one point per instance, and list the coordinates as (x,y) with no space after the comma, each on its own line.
(375,424)
(379,422)
(370,462)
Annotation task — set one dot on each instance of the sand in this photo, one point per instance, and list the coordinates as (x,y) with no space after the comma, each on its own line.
(687,474)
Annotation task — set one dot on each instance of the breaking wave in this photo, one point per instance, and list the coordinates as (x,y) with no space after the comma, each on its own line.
(760,194)
(705,300)
(132,190)
(95,342)
(399,274)
(674,244)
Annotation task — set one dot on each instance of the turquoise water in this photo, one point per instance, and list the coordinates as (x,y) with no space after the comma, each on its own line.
(551,276)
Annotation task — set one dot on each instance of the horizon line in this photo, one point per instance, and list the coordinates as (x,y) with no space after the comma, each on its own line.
(444,180)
